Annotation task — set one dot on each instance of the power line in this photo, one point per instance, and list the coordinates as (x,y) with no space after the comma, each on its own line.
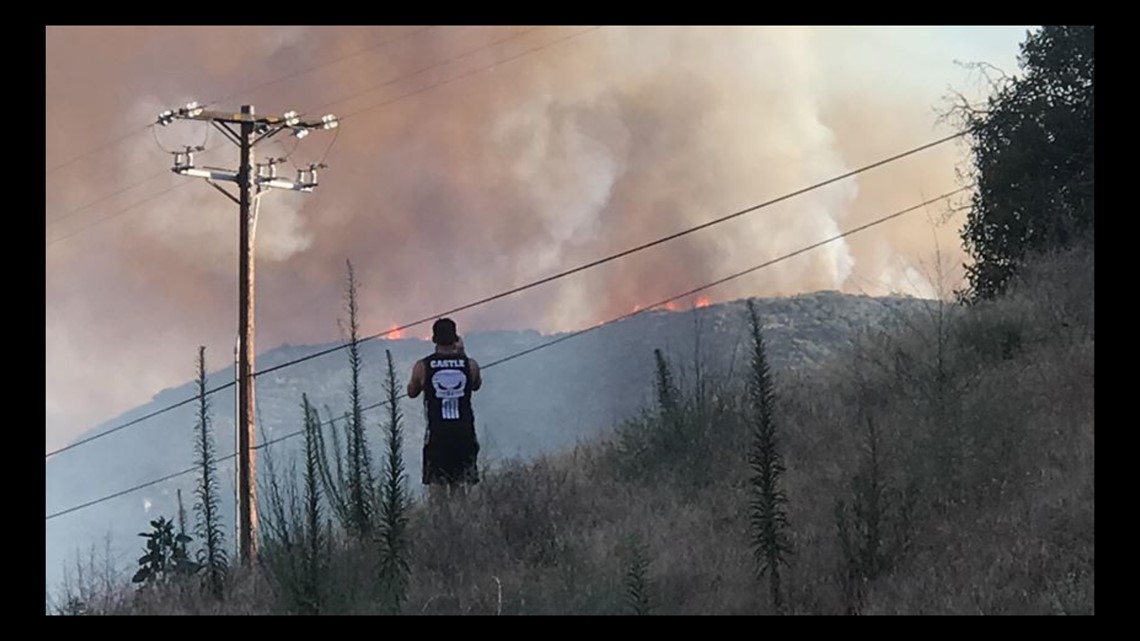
(138,420)
(475,70)
(119,212)
(262,85)
(328,150)
(302,72)
(100,199)
(721,281)
(621,254)
(387,102)
(423,69)
(559,275)
(163,149)
(132,489)
(565,337)
(105,197)
(113,141)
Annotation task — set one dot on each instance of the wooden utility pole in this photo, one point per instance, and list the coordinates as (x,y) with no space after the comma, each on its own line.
(253,181)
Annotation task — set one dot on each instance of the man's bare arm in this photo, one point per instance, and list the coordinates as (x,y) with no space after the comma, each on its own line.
(476,375)
(416,384)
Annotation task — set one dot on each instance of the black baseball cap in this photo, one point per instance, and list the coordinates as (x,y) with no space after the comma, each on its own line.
(443,332)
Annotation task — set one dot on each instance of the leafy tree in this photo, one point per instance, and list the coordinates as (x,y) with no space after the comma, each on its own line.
(1032,159)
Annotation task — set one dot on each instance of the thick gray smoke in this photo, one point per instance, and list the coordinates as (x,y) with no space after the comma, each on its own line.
(559,157)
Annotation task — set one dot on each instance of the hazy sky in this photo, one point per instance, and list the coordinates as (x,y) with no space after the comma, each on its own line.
(443,195)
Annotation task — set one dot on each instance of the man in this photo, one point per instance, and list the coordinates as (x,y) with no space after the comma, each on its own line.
(447,379)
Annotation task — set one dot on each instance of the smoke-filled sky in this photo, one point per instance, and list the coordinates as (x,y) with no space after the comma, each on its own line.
(579,143)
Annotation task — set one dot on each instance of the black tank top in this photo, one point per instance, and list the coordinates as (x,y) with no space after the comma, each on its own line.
(447,393)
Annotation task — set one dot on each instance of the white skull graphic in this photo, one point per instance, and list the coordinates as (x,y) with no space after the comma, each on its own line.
(450,385)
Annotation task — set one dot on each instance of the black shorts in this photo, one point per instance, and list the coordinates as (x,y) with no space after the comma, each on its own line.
(450,455)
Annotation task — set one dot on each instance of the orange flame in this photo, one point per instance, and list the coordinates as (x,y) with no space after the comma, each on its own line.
(396,334)
(703,301)
(671,306)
